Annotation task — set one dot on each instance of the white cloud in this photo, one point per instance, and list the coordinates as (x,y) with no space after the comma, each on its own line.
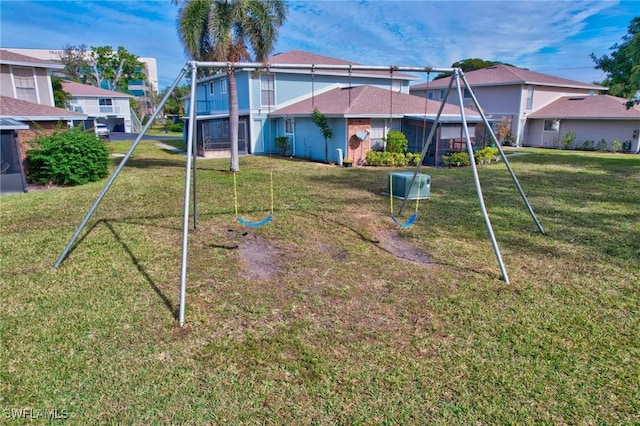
(555,37)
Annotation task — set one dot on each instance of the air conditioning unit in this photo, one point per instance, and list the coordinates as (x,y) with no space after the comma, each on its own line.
(398,185)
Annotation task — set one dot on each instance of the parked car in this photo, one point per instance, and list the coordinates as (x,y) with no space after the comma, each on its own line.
(102,131)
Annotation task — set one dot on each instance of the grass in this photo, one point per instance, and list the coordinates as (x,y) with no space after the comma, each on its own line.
(342,332)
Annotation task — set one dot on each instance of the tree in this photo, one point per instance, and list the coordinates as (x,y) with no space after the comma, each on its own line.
(114,68)
(101,65)
(230,31)
(60,97)
(174,104)
(320,120)
(470,65)
(623,66)
(75,61)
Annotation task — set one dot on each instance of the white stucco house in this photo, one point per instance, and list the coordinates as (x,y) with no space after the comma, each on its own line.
(540,107)
(103,106)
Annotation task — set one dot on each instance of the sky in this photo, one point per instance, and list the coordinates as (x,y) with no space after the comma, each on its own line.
(550,37)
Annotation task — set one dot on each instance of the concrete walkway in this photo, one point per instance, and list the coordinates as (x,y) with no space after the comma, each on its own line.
(170,148)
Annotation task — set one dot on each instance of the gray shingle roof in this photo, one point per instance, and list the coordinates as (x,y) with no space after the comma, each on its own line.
(505,75)
(368,101)
(78,89)
(302,57)
(12,58)
(29,111)
(588,107)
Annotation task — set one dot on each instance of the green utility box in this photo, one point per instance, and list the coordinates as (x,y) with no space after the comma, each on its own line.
(398,183)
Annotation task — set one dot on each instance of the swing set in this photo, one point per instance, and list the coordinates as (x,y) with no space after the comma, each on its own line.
(190,169)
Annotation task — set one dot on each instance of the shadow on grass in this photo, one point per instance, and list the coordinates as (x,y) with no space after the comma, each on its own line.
(108,223)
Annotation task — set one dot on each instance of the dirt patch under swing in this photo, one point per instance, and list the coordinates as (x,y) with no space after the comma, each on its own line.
(390,241)
(259,259)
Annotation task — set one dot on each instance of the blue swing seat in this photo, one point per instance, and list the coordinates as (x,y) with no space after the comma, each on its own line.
(255,224)
(409,221)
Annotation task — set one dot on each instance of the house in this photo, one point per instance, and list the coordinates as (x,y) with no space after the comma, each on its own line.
(142,90)
(103,106)
(360,117)
(595,122)
(509,92)
(279,102)
(26,95)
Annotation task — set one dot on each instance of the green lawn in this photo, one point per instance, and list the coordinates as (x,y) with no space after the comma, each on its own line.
(329,326)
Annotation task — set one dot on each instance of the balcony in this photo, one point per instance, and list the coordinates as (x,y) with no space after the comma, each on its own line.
(99,110)
(210,107)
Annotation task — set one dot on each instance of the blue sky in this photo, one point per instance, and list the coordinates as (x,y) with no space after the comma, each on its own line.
(550,37)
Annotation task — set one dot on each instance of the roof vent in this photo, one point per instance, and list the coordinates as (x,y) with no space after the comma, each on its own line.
(577,99)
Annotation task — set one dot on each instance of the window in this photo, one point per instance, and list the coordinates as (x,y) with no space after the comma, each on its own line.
(106,104)
(267,90)
(25,84)
(551,125)
(288,126)
(442,91)
(223,86)
(212,88)
(467,94)
(530,97)
(430,95)
(396,86)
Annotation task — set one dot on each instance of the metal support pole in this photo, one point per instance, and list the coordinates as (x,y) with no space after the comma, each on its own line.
(194,168)
(114,175)
(504,157)
(187,184)
(476,179)
(425,148)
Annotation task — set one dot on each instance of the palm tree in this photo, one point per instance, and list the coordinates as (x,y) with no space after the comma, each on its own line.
(230,31)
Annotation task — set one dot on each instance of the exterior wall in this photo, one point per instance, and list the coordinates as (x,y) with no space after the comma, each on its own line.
(6,86)
(42,82)
(357,149)
(40,129)
(43,85)
(104,113)
(593,130)
(309,143)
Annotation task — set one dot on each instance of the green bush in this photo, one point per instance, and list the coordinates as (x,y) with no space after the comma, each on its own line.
(588,145)
(602,145)
(456,159)
(486,155)
(67,157)
(396,142)
(413,158)
(390,159)
(282,144)
(177,127)
(616,146)
(568,138)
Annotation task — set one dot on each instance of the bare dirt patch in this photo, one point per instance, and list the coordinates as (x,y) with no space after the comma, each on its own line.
(259,258)
(390,241)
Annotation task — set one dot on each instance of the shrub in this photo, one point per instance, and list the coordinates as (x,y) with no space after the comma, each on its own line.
(602,145)
(588,145)
(396,142)
(282,144)
(456,159)
(567,139)
(616,146)
(413,158)
(390,159)
(177,127)
(67,157)
(486,155)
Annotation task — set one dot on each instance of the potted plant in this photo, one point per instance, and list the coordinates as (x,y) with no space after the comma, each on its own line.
(347,162)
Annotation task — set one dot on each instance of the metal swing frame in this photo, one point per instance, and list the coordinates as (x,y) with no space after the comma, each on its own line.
(190,168)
